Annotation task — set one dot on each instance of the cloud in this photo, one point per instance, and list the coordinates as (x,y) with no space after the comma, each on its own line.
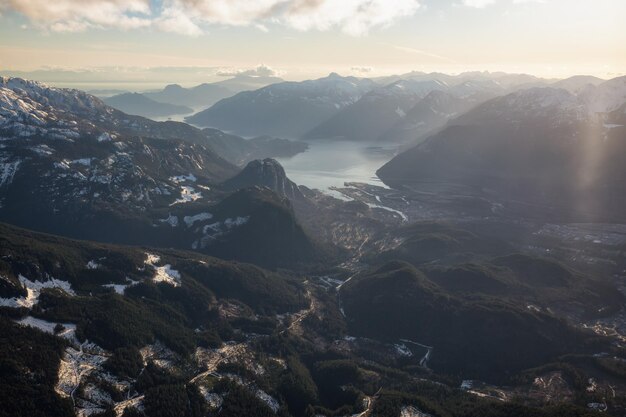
(362,70)
(478,3)
(354,17)
(174,20)
(78,15)
(259,71)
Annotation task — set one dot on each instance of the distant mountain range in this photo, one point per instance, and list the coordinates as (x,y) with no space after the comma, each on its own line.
(395,109)
(174,99)
(203,95)
(503,79)
(376,111)
(142,105)
(542,146)
(428,114)
(287,109)
(402,111)
(578,83)
(207,94)
(387,109)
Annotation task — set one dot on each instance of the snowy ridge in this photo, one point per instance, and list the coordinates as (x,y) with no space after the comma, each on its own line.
(65,99)
(606,97)
(538,103)
(334,88)
(409,88)
(74,144)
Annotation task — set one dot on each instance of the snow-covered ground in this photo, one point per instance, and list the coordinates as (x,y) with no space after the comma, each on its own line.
(166,274)
(182,178)
(93,400)
(403,350)
(92,264)
(163,273)
(426,357)
(159,354)
(410,411)
(34,289)
(68,332)
(136,402)
(213,400)
(77,363)
(190,220)
(120,288)
(230,352)
(187,195)
(214,230)
(171,220)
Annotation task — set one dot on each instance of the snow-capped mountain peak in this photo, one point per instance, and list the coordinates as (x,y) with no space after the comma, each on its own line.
(606,97)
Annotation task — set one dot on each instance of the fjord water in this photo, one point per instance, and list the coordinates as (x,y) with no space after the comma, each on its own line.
(332,163)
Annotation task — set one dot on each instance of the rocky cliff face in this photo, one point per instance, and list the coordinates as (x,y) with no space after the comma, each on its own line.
(265,173)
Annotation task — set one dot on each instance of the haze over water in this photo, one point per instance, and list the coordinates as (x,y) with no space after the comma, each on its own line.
(330,164)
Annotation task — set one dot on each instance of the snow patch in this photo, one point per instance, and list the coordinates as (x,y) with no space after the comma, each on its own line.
(76,364)
(120,288)
(92,264)
(105,137)
(152,259)
(267,399)
(171,220)
(182,178)
(42,150)
(190,220)
(7,171)
(33,290)
(214,230)
(159,354)
(83,161)
(403,350)
(410,411)
(166,274)
(48,327)
(213,400)
(62,165)
(187,195)
(163,273)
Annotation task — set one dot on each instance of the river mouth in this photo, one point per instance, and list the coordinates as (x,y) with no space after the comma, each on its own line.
(329,164)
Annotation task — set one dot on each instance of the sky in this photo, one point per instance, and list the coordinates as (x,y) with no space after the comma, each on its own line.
(191,41)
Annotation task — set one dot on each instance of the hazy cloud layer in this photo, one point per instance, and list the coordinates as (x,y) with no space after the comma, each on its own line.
(190,17)
(362,70)
(259,71)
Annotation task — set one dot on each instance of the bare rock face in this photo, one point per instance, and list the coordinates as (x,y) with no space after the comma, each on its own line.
(266,173)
